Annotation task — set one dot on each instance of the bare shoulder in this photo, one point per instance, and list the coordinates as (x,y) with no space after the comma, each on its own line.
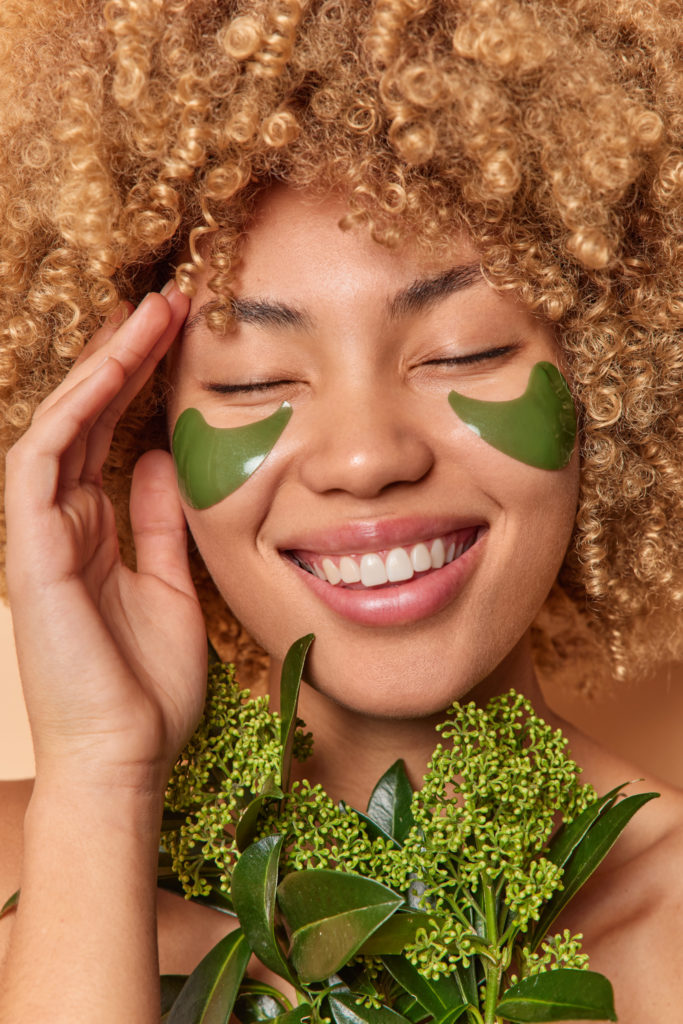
(631,913)
(14,798)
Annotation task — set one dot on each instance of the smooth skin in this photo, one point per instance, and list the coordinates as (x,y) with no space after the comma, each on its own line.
(109,714)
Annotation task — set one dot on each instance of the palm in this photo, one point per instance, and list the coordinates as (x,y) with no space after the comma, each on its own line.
(155,631)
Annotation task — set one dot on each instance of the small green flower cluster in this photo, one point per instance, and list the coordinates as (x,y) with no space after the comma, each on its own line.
(233,754)
(492,797)
(490,802)
(450,939)
(322,834)
(557,951)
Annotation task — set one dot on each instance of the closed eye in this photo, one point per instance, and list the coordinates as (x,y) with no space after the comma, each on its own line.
(474,357)
(249,386)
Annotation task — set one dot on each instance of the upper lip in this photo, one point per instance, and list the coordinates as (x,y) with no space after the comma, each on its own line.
(367,535)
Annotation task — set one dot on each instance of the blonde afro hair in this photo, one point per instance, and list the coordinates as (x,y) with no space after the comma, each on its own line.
(134,132)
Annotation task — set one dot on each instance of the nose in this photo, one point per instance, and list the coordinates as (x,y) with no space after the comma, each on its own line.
(364,443)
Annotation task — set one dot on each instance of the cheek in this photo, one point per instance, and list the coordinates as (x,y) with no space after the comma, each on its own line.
(537,510)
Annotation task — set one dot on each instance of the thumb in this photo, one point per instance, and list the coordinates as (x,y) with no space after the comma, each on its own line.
(158,522)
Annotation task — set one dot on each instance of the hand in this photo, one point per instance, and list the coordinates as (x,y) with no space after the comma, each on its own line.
(113,662)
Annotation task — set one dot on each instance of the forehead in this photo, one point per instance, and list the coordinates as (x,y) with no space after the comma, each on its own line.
(296,240)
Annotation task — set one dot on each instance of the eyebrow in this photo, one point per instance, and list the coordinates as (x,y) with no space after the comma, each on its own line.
(261,312)
(423,293)
(415,298)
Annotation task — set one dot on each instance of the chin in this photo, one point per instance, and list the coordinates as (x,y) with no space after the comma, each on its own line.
(393,684)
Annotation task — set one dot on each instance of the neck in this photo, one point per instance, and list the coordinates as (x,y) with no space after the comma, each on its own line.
(352,750)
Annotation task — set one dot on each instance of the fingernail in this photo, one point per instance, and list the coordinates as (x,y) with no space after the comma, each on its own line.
(168,286)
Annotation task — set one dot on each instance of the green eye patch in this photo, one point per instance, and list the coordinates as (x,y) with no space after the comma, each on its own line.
(538,428)
(212,462)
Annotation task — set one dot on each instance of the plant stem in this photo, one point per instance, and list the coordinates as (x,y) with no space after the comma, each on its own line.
(492,992)
(492,970)
(490,913)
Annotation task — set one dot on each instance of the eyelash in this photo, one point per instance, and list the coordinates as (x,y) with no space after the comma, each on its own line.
(232,389)
(475,357)
(266,385)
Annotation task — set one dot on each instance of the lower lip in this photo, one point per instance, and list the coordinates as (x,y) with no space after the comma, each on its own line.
(401,603)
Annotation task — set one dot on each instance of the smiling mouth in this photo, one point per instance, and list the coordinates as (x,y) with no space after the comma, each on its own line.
(390,566)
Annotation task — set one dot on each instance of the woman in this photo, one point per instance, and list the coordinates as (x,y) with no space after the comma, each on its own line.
(360,211)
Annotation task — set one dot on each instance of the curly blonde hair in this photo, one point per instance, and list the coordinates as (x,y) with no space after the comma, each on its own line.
(133,132)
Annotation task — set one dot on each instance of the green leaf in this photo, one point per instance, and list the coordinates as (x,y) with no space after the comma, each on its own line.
(408,1007)
(246,826)
(395,934)
(171,985)
(323,947)
(254,885)
(390,802)
(10,903)
(301,1012)
(331,915)
(209,994)
(290,683)
(315,893)
(441,998)
(562,994)
(568,836)
(259,1002)
(587,855)
(346,1011)
(371,827)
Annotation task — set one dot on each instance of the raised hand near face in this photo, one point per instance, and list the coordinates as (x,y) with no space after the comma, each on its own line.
(113,662)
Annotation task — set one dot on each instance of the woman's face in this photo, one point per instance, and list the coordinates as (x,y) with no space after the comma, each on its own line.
(366,343)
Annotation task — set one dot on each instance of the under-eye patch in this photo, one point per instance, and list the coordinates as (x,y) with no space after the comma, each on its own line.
(212,462)
(538,428)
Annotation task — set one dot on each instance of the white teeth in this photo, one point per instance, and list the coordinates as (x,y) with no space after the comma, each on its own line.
(399,566)
(372,571)
(438,553)
(331,571)
(350,573)
(420,558)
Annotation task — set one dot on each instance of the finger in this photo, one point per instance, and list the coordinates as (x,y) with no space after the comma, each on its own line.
(158,522)
(34,463)
(129,344)
(103,334)
(99,441)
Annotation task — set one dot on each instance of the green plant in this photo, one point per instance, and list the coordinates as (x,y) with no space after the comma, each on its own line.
(430,907)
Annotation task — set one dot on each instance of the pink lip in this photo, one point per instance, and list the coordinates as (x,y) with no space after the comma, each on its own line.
(376,535)
(399,603)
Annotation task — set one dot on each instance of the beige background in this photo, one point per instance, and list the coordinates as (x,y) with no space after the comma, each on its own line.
(16,752)
(644,725)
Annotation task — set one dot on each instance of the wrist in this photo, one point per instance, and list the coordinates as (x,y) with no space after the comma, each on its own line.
(132,805)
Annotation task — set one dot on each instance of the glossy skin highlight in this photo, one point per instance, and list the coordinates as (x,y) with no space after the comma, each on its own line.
(538,428)
(212,462)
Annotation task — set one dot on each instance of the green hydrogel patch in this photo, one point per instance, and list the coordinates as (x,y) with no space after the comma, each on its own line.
(538,428)
(212,462)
